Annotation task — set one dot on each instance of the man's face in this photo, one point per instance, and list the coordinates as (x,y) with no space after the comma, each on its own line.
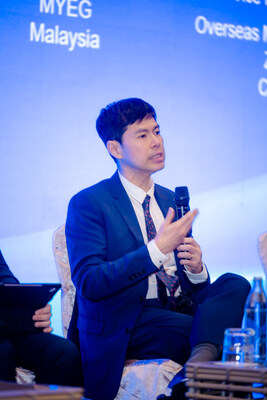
(141,150)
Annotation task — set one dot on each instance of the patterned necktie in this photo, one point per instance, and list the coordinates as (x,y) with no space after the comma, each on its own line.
(163,279)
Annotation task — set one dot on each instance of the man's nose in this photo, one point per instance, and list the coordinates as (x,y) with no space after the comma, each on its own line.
(156,140)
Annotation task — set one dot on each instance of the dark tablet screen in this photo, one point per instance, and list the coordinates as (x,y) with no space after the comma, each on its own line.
(18,302)
(23,295)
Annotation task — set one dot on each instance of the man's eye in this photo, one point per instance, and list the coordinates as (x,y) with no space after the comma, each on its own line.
(157,133)
(142,136)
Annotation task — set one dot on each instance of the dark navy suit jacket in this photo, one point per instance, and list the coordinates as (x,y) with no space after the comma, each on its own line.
(6,275)
(110,267)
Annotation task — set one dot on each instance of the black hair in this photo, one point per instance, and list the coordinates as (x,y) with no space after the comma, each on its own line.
(114,119)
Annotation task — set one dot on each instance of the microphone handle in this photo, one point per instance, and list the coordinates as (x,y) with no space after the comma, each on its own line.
(181,211)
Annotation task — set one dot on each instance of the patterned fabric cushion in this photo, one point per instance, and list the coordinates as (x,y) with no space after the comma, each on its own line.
(68,290)
(262,249)
(146,379)
(24,376)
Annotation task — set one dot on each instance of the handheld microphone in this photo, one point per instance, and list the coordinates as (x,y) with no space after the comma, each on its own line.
(182,202)
(184,302)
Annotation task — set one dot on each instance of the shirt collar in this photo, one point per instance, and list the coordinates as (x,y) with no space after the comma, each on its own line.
(135,191)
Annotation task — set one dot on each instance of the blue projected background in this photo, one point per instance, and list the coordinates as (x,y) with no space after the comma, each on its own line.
(202,65)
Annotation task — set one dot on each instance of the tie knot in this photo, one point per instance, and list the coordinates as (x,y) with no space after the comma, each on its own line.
(146,202)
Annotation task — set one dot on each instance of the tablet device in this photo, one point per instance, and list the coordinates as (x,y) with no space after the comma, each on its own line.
(18,302)
(23,295)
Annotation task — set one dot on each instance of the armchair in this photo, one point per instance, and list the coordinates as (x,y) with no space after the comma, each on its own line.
(262,250)
(141,379)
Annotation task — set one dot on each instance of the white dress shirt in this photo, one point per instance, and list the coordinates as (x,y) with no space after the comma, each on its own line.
(137,197)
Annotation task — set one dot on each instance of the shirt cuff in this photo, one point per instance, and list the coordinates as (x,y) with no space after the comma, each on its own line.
(157,257)
(197,278)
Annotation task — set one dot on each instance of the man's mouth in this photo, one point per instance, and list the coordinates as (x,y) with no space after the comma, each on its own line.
(158,155)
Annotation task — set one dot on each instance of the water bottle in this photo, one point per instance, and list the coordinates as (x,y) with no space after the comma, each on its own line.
(255,318)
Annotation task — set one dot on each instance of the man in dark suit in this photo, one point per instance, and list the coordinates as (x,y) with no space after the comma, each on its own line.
(53,360)
(142,289)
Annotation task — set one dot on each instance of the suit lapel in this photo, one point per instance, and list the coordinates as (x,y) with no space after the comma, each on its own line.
(122,202)
(164,199)
(125,208)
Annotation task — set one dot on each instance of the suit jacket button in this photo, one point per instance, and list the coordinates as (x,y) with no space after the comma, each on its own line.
(127,331)
(141,299)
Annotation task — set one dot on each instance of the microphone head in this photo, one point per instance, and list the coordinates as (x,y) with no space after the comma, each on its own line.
(181,196)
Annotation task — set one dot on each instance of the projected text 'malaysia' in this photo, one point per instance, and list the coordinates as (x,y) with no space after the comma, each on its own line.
(64,38)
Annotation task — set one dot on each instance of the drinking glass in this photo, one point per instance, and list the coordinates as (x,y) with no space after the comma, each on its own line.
(238,345)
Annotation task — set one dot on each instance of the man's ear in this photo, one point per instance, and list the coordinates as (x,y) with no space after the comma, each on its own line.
(114,148)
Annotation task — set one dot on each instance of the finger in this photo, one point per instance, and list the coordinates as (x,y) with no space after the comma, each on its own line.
(42,324)
(44,310)
(185,255)
(190,215)
(169,217)
(185,247)
(188,263)
(188,219)
(189,240)
(193,245)
(194,213)
(48,330)
(41,317)
(192,265)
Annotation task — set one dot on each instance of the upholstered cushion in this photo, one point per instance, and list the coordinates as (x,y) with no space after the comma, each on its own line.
(262,249)
(68,290)
(146,379)
(24,376)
